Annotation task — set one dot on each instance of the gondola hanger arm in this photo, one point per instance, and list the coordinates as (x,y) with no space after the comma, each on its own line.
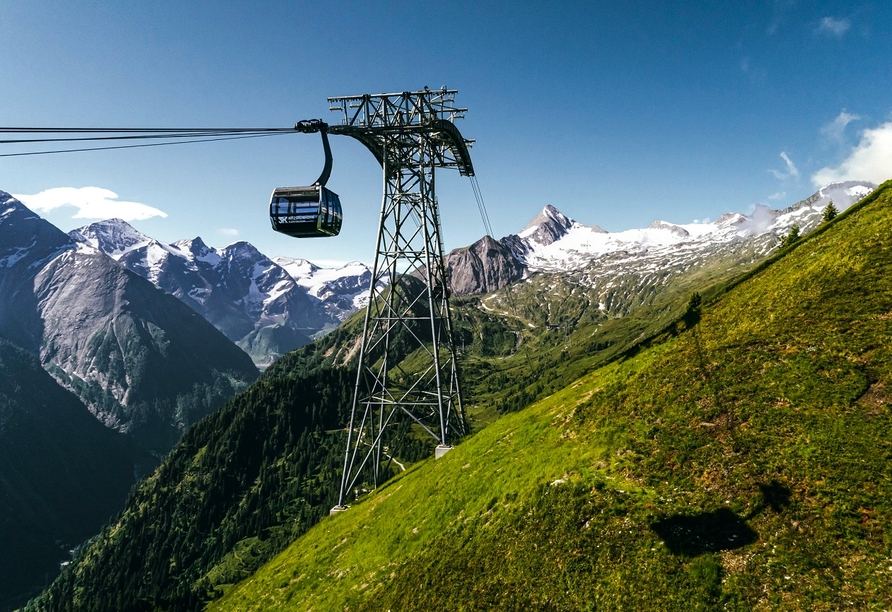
(311,126)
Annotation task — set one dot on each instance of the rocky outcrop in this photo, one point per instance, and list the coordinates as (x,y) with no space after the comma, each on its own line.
(486,265)
(548,226)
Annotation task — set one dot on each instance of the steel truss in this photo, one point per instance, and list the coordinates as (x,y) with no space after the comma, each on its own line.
(408,376)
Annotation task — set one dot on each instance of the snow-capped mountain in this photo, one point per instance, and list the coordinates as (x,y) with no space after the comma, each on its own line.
(267,307)
(621,271)
(552,242)
(142,362)
(114,237)
(342,291)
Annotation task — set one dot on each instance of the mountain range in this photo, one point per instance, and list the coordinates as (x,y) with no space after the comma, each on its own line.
(623,268)
(269,306)
(266,306)
(141,361)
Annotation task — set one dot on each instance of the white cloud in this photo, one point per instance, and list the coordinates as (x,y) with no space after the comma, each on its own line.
(834,27)
(228,232)
(90,202)
(870,160)
(792,170)
(780,195)
(836,128)
(758,221)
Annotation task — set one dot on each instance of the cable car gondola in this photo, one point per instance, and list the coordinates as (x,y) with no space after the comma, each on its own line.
(307,212)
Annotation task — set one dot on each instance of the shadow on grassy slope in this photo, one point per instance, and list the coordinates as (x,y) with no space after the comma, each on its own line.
(694,534)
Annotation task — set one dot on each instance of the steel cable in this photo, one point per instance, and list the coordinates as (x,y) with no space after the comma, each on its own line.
(175,136)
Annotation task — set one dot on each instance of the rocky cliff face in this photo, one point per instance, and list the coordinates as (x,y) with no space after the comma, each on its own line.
(483,267)
(27,243)
(142,362)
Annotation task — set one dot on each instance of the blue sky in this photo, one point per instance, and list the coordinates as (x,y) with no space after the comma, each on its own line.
(617,113)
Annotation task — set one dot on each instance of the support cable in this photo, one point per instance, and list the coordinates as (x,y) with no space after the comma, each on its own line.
(135,146)
(481,206)
(171,136)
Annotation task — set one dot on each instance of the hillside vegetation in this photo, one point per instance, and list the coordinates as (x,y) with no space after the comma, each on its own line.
(240,486)
(740,461)
(62,474)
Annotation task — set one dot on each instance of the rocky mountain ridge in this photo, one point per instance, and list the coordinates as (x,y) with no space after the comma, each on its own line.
(266,306)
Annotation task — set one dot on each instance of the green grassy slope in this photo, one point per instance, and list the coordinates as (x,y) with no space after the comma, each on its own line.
(742,461)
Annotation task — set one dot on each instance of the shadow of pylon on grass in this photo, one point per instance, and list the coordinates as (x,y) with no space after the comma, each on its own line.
(706,532)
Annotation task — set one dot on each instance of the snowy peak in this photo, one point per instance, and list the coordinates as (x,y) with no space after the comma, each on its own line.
(808,213)
(549,215)
(548,226)
(195,250)
(297,268)
(114,237)
(25,238)
(730,219)
(842,194)
(243,250)
(9,205)
(195,246)
(342,290)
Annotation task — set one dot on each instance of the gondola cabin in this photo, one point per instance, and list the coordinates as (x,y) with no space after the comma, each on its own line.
(305,212)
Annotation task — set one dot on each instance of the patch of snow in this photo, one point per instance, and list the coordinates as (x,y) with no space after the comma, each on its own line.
(212,257)
(11,260)
(199,294)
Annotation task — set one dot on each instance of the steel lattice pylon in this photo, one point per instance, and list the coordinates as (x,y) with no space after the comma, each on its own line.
(407,374)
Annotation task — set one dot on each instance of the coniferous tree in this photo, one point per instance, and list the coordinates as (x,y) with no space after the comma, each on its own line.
(791,237)
(692,311)
(830,212)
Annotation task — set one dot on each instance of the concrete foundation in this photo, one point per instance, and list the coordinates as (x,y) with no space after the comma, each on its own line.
(442,450)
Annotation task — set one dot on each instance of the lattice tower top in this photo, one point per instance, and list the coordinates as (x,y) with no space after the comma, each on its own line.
(430,114)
